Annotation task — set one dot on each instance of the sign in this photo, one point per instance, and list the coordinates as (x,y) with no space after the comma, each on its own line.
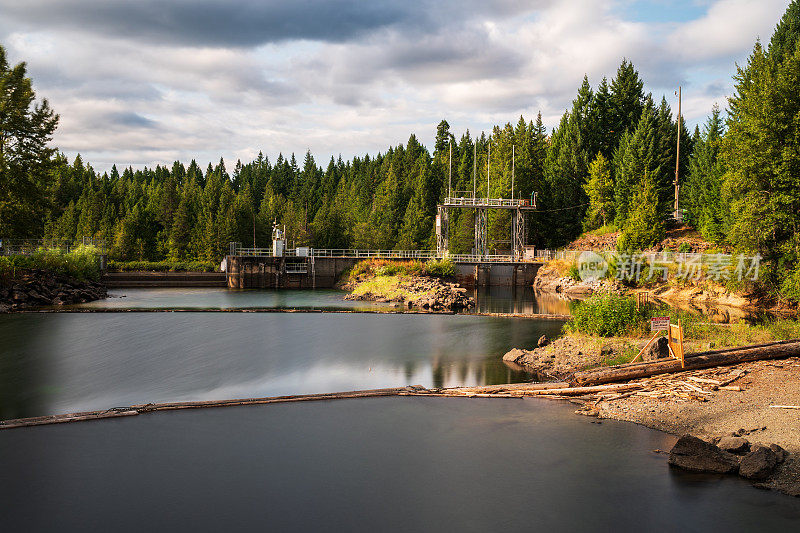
(659,323)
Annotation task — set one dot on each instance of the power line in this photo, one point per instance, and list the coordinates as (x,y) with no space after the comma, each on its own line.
(561,208)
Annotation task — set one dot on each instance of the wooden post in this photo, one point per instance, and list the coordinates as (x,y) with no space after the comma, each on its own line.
(646,346)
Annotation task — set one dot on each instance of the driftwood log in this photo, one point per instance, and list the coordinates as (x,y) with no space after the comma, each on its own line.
(773,350)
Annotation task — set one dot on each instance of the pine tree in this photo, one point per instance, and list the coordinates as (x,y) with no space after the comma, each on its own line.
(645,225)
(702,193)
(636,156)
(626,101)
(761,152)
(600,190)
(26,129)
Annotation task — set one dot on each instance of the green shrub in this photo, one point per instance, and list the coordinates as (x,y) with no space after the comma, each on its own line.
(81,263)
(684,247)
(606,316)
(444,268)
(573,272)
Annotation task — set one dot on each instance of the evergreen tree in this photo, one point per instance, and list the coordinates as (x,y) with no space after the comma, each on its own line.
(600,190)
(626,101)
(761,152)
(645,225)
(702,194)
(26,128)
(636,156)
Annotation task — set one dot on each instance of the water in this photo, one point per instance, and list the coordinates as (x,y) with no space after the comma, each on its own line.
(68,362)
(488,300)
(379,464)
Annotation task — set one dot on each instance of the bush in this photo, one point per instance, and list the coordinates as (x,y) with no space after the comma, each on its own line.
(684,247)
(606,316)
(444,268)
(81,263)
(574,272)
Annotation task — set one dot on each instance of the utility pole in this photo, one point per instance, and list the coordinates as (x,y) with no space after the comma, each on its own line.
(678,159)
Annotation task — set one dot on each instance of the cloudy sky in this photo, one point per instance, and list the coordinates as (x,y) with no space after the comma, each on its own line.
(140,82)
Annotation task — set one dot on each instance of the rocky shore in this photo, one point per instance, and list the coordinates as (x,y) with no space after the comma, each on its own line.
(420,292)
(38,288)
(757,402)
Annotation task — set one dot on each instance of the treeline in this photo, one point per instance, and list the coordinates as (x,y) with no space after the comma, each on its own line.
(608,165)
(388,201)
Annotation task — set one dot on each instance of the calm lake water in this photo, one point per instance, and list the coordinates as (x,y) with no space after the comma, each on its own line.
(68,362)
(379,464)
(489,300)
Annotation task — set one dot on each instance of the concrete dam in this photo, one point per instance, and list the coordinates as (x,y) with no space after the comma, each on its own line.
(312,272)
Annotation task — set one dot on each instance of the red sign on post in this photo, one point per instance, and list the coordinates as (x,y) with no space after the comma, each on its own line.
(659,323)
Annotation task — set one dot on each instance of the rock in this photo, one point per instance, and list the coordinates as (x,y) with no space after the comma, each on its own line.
(779,452)
(513,355)
(543,341)
(759,463)
(658,350)
(696,455)
(734,444)
(606,350)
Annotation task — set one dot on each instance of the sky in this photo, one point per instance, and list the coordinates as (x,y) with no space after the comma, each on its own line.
(146,82)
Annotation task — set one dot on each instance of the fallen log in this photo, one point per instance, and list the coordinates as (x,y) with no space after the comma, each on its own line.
(508,387)
(578,391)
(732,356)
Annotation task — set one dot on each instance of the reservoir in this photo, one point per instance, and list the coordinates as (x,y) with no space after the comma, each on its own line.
(58,363)
(377,464)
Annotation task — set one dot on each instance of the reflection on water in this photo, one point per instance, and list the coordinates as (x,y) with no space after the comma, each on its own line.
(378,464)
(67,362)
(207,298)
(518,300)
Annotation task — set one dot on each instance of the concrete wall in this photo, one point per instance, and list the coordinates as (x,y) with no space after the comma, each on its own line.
(270,273)
(496,274)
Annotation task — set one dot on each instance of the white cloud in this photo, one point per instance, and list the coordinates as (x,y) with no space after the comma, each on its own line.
(135,100)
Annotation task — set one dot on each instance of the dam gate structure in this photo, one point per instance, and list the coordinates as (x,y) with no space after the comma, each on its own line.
(309,268)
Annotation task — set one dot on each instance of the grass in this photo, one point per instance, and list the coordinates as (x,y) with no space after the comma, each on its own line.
(603,230)
(444,268)
(614,320)
(388,287)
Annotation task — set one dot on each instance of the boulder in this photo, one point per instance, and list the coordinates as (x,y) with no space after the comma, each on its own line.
(759,463)
(734,445)
(658,350)
(779,452)
(513,355)
(543,341)
(696,455)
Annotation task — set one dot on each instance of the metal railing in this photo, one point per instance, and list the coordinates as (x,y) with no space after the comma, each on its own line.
(334,252)
(488,202)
